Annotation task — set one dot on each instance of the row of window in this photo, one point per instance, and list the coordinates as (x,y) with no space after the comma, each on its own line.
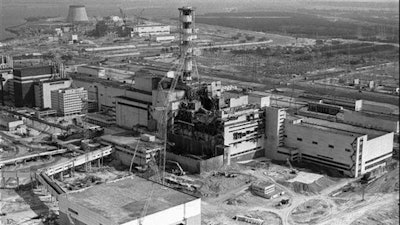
(316,143)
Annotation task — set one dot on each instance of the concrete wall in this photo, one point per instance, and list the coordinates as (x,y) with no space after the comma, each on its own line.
(84,216)
(95,71)
(105,95)
(376,150)
(131,113)
(369,121)
(196,165)
(210,164)
(188,164)
(244,133)
(190,211)
(338,157)
(274,119)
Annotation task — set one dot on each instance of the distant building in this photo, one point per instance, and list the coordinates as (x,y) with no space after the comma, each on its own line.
(10,123)
(68,101)
(24,79)
(43,91)
(6,76)
(146,30)
(122,202)
(164,38)
(92,70)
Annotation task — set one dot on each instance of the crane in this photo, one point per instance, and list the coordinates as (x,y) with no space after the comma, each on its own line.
(123,15)
(165,109)
(153,166)
(133,157)
(139,17)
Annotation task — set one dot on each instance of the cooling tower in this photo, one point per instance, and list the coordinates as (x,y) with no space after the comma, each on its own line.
(77,13)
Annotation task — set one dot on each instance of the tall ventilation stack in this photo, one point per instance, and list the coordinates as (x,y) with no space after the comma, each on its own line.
(77,13)
(187,35)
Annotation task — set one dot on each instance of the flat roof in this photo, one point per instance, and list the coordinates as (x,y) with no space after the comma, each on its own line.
(391,117)
(341,128)
(9,119)
(123,200)
(152,25)
(127,138)
(110,83)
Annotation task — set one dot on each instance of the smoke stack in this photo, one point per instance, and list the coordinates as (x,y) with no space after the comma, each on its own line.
(77,13)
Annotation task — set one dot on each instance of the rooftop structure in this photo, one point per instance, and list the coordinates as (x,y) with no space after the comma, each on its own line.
(123,201)
(126,144)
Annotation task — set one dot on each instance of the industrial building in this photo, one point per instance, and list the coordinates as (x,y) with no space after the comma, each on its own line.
(351,150)
(163,38)
(377,121)
(77,13)
(92,70)
(10,123)
(128,104)
(43,91)
(362,114)
(130,200)
(101,119)
(69,101)
(130,148)
(145,30)
(6,76)
(24,79)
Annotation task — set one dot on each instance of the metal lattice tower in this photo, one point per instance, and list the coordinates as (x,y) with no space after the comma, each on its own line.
(187,33)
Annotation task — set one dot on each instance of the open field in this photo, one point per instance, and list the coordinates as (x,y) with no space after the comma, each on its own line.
(310,23)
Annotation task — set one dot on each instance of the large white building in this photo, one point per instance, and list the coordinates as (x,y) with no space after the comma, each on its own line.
(123,202)
(43,91)
(68,101)
(351,150)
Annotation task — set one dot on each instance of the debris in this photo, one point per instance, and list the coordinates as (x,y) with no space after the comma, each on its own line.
(248,219)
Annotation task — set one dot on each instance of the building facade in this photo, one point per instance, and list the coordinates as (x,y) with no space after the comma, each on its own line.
(24,79)
(350,150)
(151,30)
(69,101)
(43,91)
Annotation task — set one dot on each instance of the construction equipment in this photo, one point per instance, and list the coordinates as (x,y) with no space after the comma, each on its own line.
(154,167)
(292,170)
(283,202)
(248,219)
(139,18)
(174,168)
(133,157)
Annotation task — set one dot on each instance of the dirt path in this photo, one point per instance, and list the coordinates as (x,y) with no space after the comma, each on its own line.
(351,213)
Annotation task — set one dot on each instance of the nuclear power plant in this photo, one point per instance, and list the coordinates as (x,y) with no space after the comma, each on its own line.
(144,113)
(77,13)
